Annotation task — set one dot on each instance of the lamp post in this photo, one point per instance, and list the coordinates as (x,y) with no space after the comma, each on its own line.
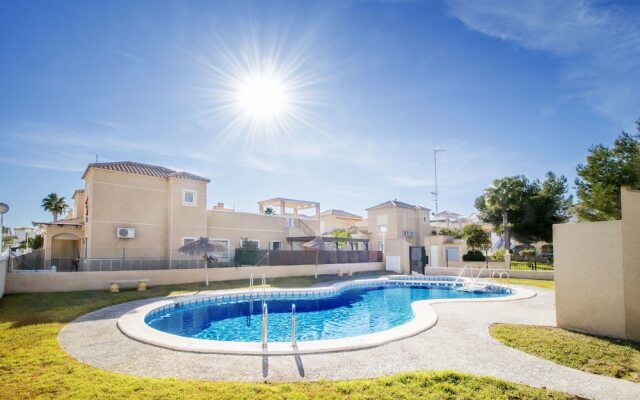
(435,170)
(3,210)
(383,231)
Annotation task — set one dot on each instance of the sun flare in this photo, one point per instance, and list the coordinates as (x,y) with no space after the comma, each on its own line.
(262,97)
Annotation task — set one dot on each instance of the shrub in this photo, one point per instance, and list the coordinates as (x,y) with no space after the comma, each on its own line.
(498,255)
(473,255)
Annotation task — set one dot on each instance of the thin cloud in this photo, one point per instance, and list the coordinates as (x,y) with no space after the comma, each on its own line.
(599,44)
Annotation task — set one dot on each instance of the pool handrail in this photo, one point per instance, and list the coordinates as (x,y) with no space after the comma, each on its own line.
(293,325)
(265,327)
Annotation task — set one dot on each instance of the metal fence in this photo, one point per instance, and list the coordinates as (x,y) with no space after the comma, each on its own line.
(140,259)
(302,257)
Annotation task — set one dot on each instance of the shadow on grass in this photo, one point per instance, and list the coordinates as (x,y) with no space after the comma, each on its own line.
(41,308)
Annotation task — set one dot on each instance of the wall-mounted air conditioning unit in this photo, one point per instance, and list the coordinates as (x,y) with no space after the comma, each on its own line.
(408,233)
(125,233)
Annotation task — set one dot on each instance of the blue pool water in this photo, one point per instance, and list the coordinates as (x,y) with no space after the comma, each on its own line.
(352,312)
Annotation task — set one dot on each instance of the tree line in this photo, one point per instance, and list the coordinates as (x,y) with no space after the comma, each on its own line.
(527,209)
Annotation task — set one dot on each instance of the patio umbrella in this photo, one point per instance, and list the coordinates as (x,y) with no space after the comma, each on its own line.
(318,244)
(203,247)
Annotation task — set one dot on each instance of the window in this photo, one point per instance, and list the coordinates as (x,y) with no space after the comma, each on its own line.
(189,198)
(382,219)
(275,245)
(424,219)
(187,240)
(221,256)
(250,243)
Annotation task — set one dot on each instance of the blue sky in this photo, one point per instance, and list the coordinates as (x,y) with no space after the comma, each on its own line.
(506,87)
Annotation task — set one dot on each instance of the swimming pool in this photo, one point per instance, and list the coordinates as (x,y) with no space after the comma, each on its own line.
(345,316)
(352,312)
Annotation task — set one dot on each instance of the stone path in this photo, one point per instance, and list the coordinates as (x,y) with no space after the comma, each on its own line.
(460,341)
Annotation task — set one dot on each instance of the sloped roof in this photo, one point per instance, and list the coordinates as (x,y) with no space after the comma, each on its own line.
(396,203)
(341,213)
(144,169)
(447,214)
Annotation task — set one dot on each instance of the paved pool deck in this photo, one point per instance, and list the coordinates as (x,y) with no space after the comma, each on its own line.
(460,341)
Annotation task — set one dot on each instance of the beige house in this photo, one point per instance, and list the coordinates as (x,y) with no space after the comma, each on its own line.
(136,216)
(452,220)
(132,211)
(334,220)
(394,219)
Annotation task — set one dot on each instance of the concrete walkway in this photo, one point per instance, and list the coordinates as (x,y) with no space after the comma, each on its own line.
(460,341)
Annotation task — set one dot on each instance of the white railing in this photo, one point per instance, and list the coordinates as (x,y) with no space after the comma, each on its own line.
(265,317)
(508,278)
(459,277)
(293,325)
(251,286)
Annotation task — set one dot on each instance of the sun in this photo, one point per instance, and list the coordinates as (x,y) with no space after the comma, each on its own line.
(262,97)
(261,94)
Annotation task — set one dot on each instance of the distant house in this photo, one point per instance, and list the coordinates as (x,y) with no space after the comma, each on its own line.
(132,215)
(452,220)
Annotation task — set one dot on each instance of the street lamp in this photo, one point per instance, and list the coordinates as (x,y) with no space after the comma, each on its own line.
(383,231)
(3,210)
(435,170)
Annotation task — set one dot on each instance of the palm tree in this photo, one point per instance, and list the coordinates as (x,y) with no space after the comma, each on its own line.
(503,197)
(54,204)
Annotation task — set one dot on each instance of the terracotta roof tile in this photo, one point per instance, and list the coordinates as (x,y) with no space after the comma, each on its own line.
(144,169)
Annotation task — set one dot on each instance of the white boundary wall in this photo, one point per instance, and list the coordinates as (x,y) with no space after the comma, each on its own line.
(541,275)
(35,282)
(3,274)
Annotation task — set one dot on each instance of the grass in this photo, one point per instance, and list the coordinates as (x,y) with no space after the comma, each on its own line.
(529,282)
(32,364)
(598,355)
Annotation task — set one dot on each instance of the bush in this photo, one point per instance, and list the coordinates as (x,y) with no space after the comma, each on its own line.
(473,255)
(498,255)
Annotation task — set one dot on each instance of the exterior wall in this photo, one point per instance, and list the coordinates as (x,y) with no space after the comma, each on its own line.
(598,273)
(34,282)
(152,206)
(51,231)
(78,205)
(631,261)
(442,243)
(22,233)
(234,226)
(121,200)
(399,247)
(397,221)
(185,221)
(329,223)
(3,274)
(589,277)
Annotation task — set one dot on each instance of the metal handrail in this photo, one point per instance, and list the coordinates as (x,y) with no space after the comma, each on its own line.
(462,272)
(293,325)
(265,317)
(508,278)
(251,286)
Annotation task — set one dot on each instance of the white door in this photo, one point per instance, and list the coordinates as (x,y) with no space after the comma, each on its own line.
(393,264)
(434,262)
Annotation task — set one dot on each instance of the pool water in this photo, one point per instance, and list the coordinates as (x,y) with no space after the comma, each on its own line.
(352,312)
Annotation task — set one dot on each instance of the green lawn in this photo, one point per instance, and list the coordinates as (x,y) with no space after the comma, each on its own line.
(32,364)
(598,355)
(529,282)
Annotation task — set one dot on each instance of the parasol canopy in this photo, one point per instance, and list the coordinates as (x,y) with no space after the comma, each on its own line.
(317,244)
(202,247)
